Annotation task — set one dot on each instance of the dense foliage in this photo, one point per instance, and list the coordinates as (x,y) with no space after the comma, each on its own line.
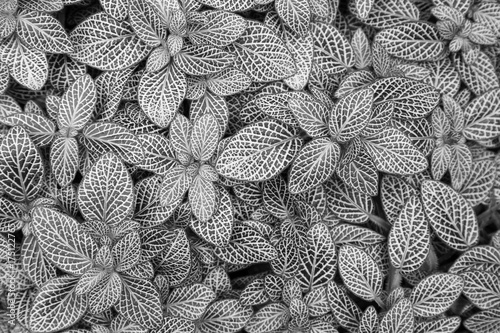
(258,166)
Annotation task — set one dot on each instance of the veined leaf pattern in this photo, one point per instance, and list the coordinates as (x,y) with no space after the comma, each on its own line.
(360,272)
(398,319)
(189,302)
(409,240)
(259,151)
(451,217)
(99,197)
(63,241)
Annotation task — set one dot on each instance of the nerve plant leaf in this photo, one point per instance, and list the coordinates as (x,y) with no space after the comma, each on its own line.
(259,151)
(21,166)
(106,192)
(360,272)
(63,241)
(450,215)
(189,302)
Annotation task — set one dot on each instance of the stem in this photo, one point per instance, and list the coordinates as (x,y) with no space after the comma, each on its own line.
(386,226)
(394,279)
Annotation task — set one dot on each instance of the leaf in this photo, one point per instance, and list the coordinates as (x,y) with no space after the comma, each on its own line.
(43,32)
(39,269)
(259,151)
(479,183)
(360,174)
(42,5)
(360,273)
(218,229)
(262,55)
(140,302)
(62,240)
(344,309)
(483,116)
(480,76)
(399,319)
(450,215)
(57,306)
(229,5)
(21,168)
(175,260)
(227,82)
(348,204)
(109,89)
(315,163)
(211,104)
(176,325)
(220,29)
(482,289)
(224,316)
(103,137)
(277,198)
(161,93)
(435,294)
(392,152)
(176,182)
(488,15)
(295,13)
(107,44)
(8,106)
(189,302)
(332,51)
(106,192)
(64,160)
(77,104)
(246,246)
(318,260)
(202,59)
(482,258)
(301,48)
(484,321)
(205,137)
(409,239)
(106,293)
(311,115)
(27,66)
(148,210)
(443,76)
(414,41)
(159,153)
(40,129)
(203,198)
(11,216)
(385,14)
(117,9)
(442,325)
(412,99)
(350,115)
(269,318)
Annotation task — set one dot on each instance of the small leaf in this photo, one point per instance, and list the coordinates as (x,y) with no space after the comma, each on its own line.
(332,51)
(269,318)
(64,160)
(224,316)
(399,319)
(189,302)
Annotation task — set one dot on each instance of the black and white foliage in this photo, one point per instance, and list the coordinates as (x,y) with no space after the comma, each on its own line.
(254,166)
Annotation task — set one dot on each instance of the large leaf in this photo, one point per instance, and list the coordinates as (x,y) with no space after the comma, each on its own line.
(412,99)
(414,41)
(259,151)
(482,289)
(479,76)
(43,32)
(40,129)
(435,294)
(344,309)
(332,51)
(295,13)
(27,66)
(450,215)
(315,163)
(63,241)
(77,104)
(106,192)
(481,258)
(262,55)
(203,198)
(202,59)
(140,302)
(57,306)
(269,318)
(103,137)
(189,302)
(246,246)
(318,260)
(205,137)
(392,152)
(409,240)
(21,168)
(220,28)
(161,93)
(107,44)
(224,316)
(360,273)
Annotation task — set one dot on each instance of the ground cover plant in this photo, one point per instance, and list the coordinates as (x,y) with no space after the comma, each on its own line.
(259,166)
